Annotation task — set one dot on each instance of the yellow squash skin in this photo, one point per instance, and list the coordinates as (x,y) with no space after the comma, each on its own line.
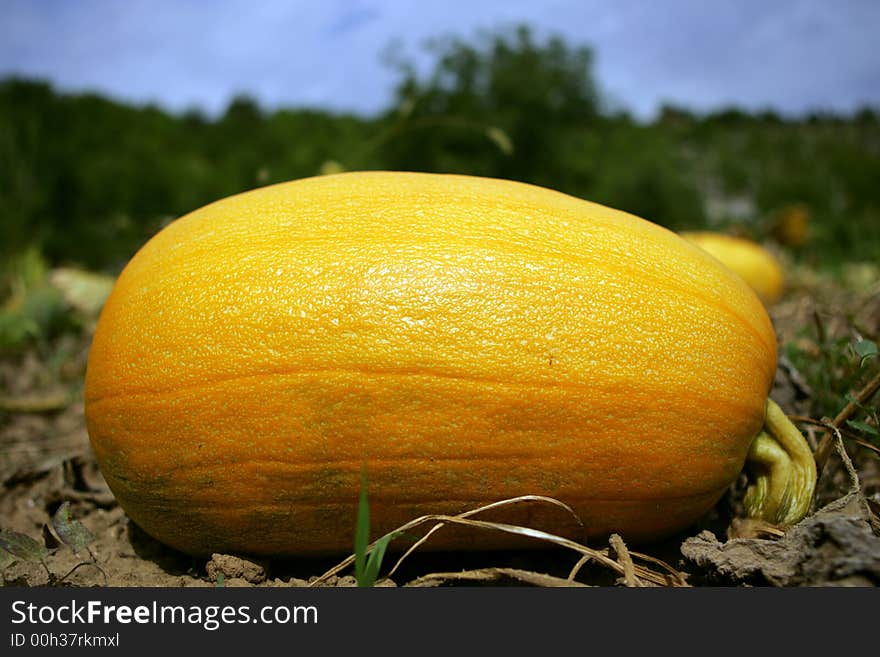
(467,339)
(757,266)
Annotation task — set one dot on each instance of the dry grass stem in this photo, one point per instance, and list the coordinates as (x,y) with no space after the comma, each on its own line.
(583,561)
(625,561)
(483,509)
(674,577)
(494,575)
(862,443)
(855,484)
(828,425)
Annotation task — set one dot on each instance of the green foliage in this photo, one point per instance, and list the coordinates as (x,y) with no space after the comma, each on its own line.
(367,565)
(22,546)
(865,349)
(72,532)
(643,172)
(87,180)
(836,370)
(534,95)
(31,309)
(15,546)
(868,429)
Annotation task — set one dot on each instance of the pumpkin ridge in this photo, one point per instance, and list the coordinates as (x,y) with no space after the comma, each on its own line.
(381,373)
(378,499)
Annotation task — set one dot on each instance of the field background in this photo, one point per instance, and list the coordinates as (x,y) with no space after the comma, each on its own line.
(85,181)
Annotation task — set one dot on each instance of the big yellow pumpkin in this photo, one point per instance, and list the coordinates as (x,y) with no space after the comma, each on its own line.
(465,339)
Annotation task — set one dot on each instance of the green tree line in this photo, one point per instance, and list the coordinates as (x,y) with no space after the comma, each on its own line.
(87,180)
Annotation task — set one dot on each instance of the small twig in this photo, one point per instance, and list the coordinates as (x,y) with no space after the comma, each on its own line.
(862,443)
(828,425)
(810,430)
(85,563)
(583,561)
(679,578)
(492,575)
(673,578)
(855,484)
(625,561)
(862,397)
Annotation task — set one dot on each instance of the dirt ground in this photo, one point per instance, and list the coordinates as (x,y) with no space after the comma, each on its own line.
(46,465)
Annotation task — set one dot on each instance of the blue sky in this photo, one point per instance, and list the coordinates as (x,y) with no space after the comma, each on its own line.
(789,55)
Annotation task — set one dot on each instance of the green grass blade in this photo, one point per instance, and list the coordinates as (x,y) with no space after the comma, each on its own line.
(374,563)
(863,426)
(362,532)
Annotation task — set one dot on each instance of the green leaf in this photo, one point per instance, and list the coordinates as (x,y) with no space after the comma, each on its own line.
(865,349)
(366,567)
(375,561)
(863,426)
(22,546)
(72,532)
(362,532)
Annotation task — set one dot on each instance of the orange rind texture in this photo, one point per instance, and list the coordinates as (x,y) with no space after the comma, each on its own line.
(466,339)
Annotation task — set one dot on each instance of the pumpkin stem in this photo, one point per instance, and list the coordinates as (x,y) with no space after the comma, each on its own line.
(784,471)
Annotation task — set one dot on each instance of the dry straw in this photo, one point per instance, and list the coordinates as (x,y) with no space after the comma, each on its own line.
(632,574)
